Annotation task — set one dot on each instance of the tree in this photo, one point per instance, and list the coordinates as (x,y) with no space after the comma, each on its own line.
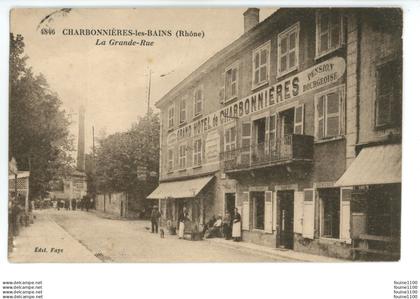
(121,157)
(38,126)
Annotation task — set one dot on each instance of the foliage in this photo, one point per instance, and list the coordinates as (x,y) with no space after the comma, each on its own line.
(121,155)
(38,127)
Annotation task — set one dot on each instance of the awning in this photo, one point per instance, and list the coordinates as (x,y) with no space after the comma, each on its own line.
(180,189)
(374,165)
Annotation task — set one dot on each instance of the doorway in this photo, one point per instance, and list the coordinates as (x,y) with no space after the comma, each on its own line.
(285,215)
(230,199)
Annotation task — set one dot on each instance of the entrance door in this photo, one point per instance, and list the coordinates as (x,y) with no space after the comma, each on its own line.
(285,203)
(230,203)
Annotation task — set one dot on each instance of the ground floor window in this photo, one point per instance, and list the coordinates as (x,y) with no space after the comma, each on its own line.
(259,209)
(384,210)
(330,212)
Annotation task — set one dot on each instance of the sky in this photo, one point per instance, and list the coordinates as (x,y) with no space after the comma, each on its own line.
(112,81)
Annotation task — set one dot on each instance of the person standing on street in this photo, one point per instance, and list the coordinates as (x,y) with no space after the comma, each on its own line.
(236,230)
(154,217)
(227,226)
(183,217)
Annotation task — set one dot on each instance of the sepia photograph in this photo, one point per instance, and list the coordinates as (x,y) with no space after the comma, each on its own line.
(197,135)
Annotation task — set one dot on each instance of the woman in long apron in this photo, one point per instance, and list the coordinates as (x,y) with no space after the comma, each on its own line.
(182,218)
(236,229)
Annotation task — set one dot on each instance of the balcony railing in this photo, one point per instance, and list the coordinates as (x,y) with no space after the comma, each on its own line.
(287,148)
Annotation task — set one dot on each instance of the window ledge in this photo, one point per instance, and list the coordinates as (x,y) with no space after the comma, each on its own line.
(182,124)
(231,99)
(262,84)
(170,172)
(336,138)
(282,75)
(197,116)
(327,240)
(197,166)
(320,55)
(182,170)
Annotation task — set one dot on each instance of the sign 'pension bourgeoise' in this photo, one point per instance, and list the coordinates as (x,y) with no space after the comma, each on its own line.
(311,79)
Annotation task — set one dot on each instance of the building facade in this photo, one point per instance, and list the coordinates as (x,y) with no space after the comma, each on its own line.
(282,123)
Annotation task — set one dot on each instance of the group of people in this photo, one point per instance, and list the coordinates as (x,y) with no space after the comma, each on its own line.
(228,227)
(85,203)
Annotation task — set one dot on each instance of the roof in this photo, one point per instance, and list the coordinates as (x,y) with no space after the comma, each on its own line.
(374,165)
(21,174)
(180,189)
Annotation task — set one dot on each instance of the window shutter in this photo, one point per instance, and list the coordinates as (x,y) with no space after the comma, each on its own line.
(245,143)
(245,211)
(298,212)
(299,119)
(267,135)
(345,214)
(189,154)
(308,213)
(268,211)
(342,99)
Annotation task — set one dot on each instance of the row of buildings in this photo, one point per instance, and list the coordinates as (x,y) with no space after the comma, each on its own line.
(297,123)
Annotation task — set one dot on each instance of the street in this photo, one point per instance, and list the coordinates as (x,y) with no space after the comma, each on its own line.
(79,236)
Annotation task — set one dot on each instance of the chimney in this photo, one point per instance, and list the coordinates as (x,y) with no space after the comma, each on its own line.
(251,18)
(81,141)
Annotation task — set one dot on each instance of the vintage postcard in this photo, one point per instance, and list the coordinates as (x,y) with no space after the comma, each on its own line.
(205,134)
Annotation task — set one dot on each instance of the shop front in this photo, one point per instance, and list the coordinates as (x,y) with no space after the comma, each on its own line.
(375,188)
(174,196)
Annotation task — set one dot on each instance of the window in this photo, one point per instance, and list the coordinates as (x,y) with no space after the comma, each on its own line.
(183,111)
(231,82)
(170,160)
(230,139)
(299,116)
(198,152)
(261,65)
(198,101)
(171,115)
(182,156)
(329,32)
(288,50)
(388,95)
(329,116)
(330,212)
(259,209)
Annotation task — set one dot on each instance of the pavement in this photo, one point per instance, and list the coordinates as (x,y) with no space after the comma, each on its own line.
(79,236)
(46,242)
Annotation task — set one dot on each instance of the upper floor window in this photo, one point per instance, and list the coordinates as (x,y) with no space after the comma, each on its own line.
(230,139)
(231,82)
(198,101)
(198,152)
(171,116)
(170,160)
(329,119)
(329,32)
(261,65)
(388,95)
(182,111)
(288,50)
(182,156)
